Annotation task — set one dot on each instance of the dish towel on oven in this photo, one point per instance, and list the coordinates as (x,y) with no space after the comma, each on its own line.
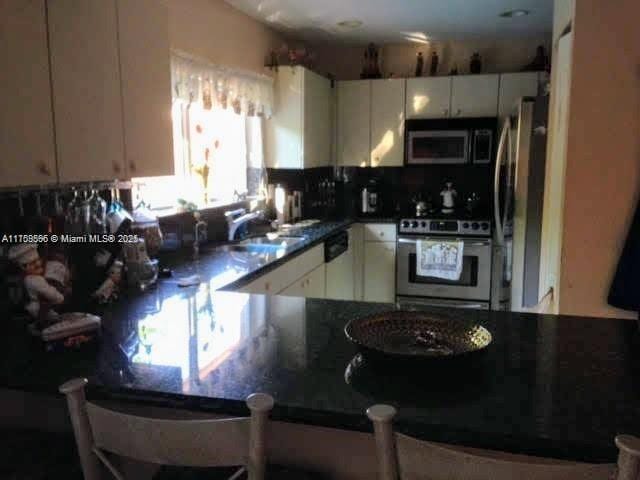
(439,259)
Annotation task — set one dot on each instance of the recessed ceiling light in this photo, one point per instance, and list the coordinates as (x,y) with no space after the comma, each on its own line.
(350,24)
(515,13)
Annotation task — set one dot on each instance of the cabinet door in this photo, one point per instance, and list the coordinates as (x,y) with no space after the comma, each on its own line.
(27,150)
(474,96)
(266,284)
(311,285)
(143,28)
(315,283)
(379,271)
(87,103)
(296,289)
(317,120)
(514,86)
(387,123)
(284,130)
(428,97)
(354,109)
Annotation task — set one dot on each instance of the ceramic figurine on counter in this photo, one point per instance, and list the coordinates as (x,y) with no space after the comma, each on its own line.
(41,295)
(448,198)
(110,288)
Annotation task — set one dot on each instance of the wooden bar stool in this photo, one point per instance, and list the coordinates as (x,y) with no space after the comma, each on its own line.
(405,458)
(101,433)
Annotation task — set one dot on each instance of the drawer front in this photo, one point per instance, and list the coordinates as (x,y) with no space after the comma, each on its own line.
(279,279)
(379,232)
(298,267)
(266,284)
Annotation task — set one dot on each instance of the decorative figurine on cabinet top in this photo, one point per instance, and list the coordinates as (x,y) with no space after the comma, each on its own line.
(419,64)
(475,65)
(371,68)
(433,69)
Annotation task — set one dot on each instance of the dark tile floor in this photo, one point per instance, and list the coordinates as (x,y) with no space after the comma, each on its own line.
(34,455)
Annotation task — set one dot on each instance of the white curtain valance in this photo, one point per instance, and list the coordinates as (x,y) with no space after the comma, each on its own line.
(196,80)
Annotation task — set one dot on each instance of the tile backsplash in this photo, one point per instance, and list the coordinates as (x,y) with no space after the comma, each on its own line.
(397,186)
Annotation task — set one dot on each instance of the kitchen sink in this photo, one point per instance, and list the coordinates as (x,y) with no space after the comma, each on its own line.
(278,242)
(261,245)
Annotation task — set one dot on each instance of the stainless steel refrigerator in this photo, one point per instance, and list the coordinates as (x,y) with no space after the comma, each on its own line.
(518,200)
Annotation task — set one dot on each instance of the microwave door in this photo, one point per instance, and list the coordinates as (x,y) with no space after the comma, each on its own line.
(438,147)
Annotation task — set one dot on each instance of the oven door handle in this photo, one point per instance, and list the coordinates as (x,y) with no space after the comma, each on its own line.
(467,243)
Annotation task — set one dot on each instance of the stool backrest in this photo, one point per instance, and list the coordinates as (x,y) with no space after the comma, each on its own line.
(405,458)
(194,443)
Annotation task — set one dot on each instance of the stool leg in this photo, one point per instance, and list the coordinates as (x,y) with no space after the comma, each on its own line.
(76,402)
(260,405)
(382,416)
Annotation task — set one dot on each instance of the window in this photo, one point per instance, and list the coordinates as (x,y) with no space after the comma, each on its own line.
(217,150)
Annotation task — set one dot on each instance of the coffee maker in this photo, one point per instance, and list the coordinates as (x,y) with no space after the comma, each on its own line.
(370,198)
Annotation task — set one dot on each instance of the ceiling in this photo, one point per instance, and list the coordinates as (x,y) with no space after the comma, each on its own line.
(398,21)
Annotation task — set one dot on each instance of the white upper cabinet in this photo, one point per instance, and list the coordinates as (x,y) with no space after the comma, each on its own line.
(298,135)
(474,96)
(387,123)
(87,103)
(514,86)
(354,125)
(143,28)
(428,97)
(317,120)
(27,150)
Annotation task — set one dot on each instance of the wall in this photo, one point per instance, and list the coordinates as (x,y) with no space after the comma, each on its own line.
(214,30)
(553,205)
(603,152)
(345,62)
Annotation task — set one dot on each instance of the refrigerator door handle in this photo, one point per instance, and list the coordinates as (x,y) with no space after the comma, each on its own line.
(496,182)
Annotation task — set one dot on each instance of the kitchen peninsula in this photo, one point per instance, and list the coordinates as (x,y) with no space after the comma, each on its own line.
(553,386)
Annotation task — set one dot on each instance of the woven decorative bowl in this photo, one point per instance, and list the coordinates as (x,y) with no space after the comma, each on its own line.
(417,335)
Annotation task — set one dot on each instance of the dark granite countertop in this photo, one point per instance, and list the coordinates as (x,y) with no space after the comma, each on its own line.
(552,386)
(231,270)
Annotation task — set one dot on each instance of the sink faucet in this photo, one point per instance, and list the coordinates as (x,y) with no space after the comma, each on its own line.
(200,224)
(237,218)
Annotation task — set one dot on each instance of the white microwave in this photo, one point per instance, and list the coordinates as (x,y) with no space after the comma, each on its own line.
(450,142)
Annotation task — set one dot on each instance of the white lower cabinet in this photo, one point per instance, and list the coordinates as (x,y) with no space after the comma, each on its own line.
(287,275)
(312,285)
(379,271)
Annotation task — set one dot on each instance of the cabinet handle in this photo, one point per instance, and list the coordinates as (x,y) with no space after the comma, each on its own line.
(382,234)
(116,167)
(458,112)
(43,168)
(132,166)
(445,112)
(267,286)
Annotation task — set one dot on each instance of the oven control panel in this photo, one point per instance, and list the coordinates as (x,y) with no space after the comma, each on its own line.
(445,227)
